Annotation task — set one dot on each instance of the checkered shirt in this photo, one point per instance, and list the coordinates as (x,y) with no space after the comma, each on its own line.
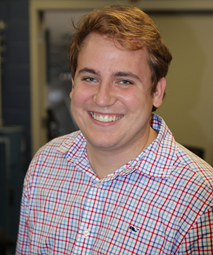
(161,202)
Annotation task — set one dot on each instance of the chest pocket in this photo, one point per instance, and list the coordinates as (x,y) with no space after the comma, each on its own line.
(118,233)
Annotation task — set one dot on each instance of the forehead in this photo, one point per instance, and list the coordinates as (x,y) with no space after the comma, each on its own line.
(101,48)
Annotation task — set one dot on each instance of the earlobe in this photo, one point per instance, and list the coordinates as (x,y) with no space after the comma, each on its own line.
(159,92)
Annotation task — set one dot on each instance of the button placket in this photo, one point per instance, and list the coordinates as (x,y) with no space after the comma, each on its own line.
(86,233)
(98,184)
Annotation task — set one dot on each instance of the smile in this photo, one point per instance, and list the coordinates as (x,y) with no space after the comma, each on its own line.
(105,118)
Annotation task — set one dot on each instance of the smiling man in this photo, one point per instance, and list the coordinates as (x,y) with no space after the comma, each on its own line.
(122,184)
(112,102)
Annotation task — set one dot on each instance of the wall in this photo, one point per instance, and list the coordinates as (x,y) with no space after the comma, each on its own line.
(15,69)
(188,102)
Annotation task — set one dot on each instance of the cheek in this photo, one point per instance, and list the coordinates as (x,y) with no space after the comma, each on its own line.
(80,97)
(76,107)
(136,102)
(75,100)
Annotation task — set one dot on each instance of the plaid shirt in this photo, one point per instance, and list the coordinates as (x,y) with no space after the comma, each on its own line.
(161,202)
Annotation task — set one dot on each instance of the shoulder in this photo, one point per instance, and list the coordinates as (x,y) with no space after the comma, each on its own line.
(189,176)
(195,165)
(52,156)
(56,144)
(195,178)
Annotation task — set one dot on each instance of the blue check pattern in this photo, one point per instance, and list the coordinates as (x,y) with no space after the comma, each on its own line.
(161,202)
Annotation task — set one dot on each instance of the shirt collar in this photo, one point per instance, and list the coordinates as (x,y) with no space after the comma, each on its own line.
(160,155)
(156,160)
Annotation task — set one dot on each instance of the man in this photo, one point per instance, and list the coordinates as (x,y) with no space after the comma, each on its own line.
(120,185)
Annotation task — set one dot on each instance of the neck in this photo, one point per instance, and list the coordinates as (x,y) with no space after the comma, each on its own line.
(104,162)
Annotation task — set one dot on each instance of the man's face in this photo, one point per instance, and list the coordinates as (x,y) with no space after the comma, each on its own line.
(111,99)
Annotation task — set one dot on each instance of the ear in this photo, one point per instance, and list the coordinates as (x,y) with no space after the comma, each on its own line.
(159,92)
(72,88)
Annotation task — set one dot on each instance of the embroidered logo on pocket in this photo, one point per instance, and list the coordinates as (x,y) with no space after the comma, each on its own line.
(134,229)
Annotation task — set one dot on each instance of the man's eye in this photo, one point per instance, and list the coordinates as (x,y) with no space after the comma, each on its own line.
(90,79)
(125,82)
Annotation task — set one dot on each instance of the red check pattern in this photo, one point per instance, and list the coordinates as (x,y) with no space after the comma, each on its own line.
(159,203)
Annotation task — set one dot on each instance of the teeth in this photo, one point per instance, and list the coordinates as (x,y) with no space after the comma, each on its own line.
(105,118)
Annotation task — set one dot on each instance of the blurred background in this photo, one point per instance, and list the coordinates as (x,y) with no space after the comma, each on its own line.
(35,83)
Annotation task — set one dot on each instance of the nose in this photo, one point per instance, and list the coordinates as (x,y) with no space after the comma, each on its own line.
(104,95)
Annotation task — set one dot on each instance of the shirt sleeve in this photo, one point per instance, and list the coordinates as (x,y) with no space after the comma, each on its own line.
(199,239)
(23,243)
(24,232)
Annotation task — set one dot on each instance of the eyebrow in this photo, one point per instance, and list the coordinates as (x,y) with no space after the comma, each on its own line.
(126,74)
(88,70)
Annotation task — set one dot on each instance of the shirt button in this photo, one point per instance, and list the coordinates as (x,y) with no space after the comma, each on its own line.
(86,232)
(98,184)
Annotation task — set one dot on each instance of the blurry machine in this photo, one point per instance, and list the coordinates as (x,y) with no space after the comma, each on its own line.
(12,171)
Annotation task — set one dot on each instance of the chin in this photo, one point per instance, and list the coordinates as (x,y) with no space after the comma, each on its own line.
(103,144)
